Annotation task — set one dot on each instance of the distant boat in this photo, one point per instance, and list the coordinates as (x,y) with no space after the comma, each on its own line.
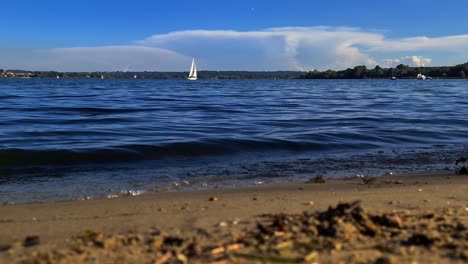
(393,77)
(134,76)
(58,77)
(420,76)
(102,76)
(193,71)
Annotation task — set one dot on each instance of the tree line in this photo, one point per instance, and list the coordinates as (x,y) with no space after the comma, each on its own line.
(359,72)
(401,71)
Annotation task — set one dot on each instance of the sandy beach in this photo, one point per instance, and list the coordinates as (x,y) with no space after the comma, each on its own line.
(49,232)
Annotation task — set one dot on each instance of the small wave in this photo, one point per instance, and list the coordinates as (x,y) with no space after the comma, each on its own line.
(85,110)
(129,153)
(9,96)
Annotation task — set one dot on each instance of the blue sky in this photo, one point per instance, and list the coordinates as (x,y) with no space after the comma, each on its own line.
(230,35)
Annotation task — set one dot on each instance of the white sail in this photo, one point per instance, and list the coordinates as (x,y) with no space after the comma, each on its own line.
(193,71)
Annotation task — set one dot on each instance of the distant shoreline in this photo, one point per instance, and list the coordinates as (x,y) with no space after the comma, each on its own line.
(358,72)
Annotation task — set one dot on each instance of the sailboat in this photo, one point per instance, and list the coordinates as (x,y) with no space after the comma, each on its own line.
(193,71)
(420,76)
(393,77)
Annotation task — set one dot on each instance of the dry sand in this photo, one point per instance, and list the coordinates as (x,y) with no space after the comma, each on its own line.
(56,231)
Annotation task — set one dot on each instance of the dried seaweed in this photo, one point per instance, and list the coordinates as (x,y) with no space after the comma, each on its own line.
(289,238)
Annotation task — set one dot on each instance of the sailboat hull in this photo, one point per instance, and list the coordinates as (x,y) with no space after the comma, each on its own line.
(192,78)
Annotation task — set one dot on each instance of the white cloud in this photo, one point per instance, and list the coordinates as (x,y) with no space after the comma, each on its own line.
(104,58)
(304,48)
(281,48)
(116,58)
(420,61)
(293,48)
(414,61)
(448,43)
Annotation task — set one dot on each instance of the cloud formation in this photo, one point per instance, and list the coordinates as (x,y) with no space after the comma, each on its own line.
(291,48)
(115,58)
(415,61)
(448,43)
(282,48)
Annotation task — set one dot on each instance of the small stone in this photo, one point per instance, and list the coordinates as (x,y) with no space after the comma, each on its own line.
(182,258)
(4,247)
(236,221)
(310,203)
(112,243)
(383,260)
(30,241)
(419,190)
(100,235)
(213,199)
(338,246)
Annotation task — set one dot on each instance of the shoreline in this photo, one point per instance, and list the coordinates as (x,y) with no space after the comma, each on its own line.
(185,212)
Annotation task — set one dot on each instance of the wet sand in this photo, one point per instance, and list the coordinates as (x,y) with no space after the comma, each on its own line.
(51,231)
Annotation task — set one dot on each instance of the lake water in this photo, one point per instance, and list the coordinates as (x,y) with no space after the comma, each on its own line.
(69,138)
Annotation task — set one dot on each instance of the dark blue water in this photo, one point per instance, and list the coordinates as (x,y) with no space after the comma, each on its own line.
(66,139)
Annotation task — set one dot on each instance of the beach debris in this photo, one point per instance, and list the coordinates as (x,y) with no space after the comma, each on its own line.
(366,179)
(130,193)
(4,247)
(31,241)
(307,237)
(222,224)
(383,260)
(463,169)
(89,234)
(213,199)
(236,221)
(310,203)
(317,179)
(393,182)
(164,259)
